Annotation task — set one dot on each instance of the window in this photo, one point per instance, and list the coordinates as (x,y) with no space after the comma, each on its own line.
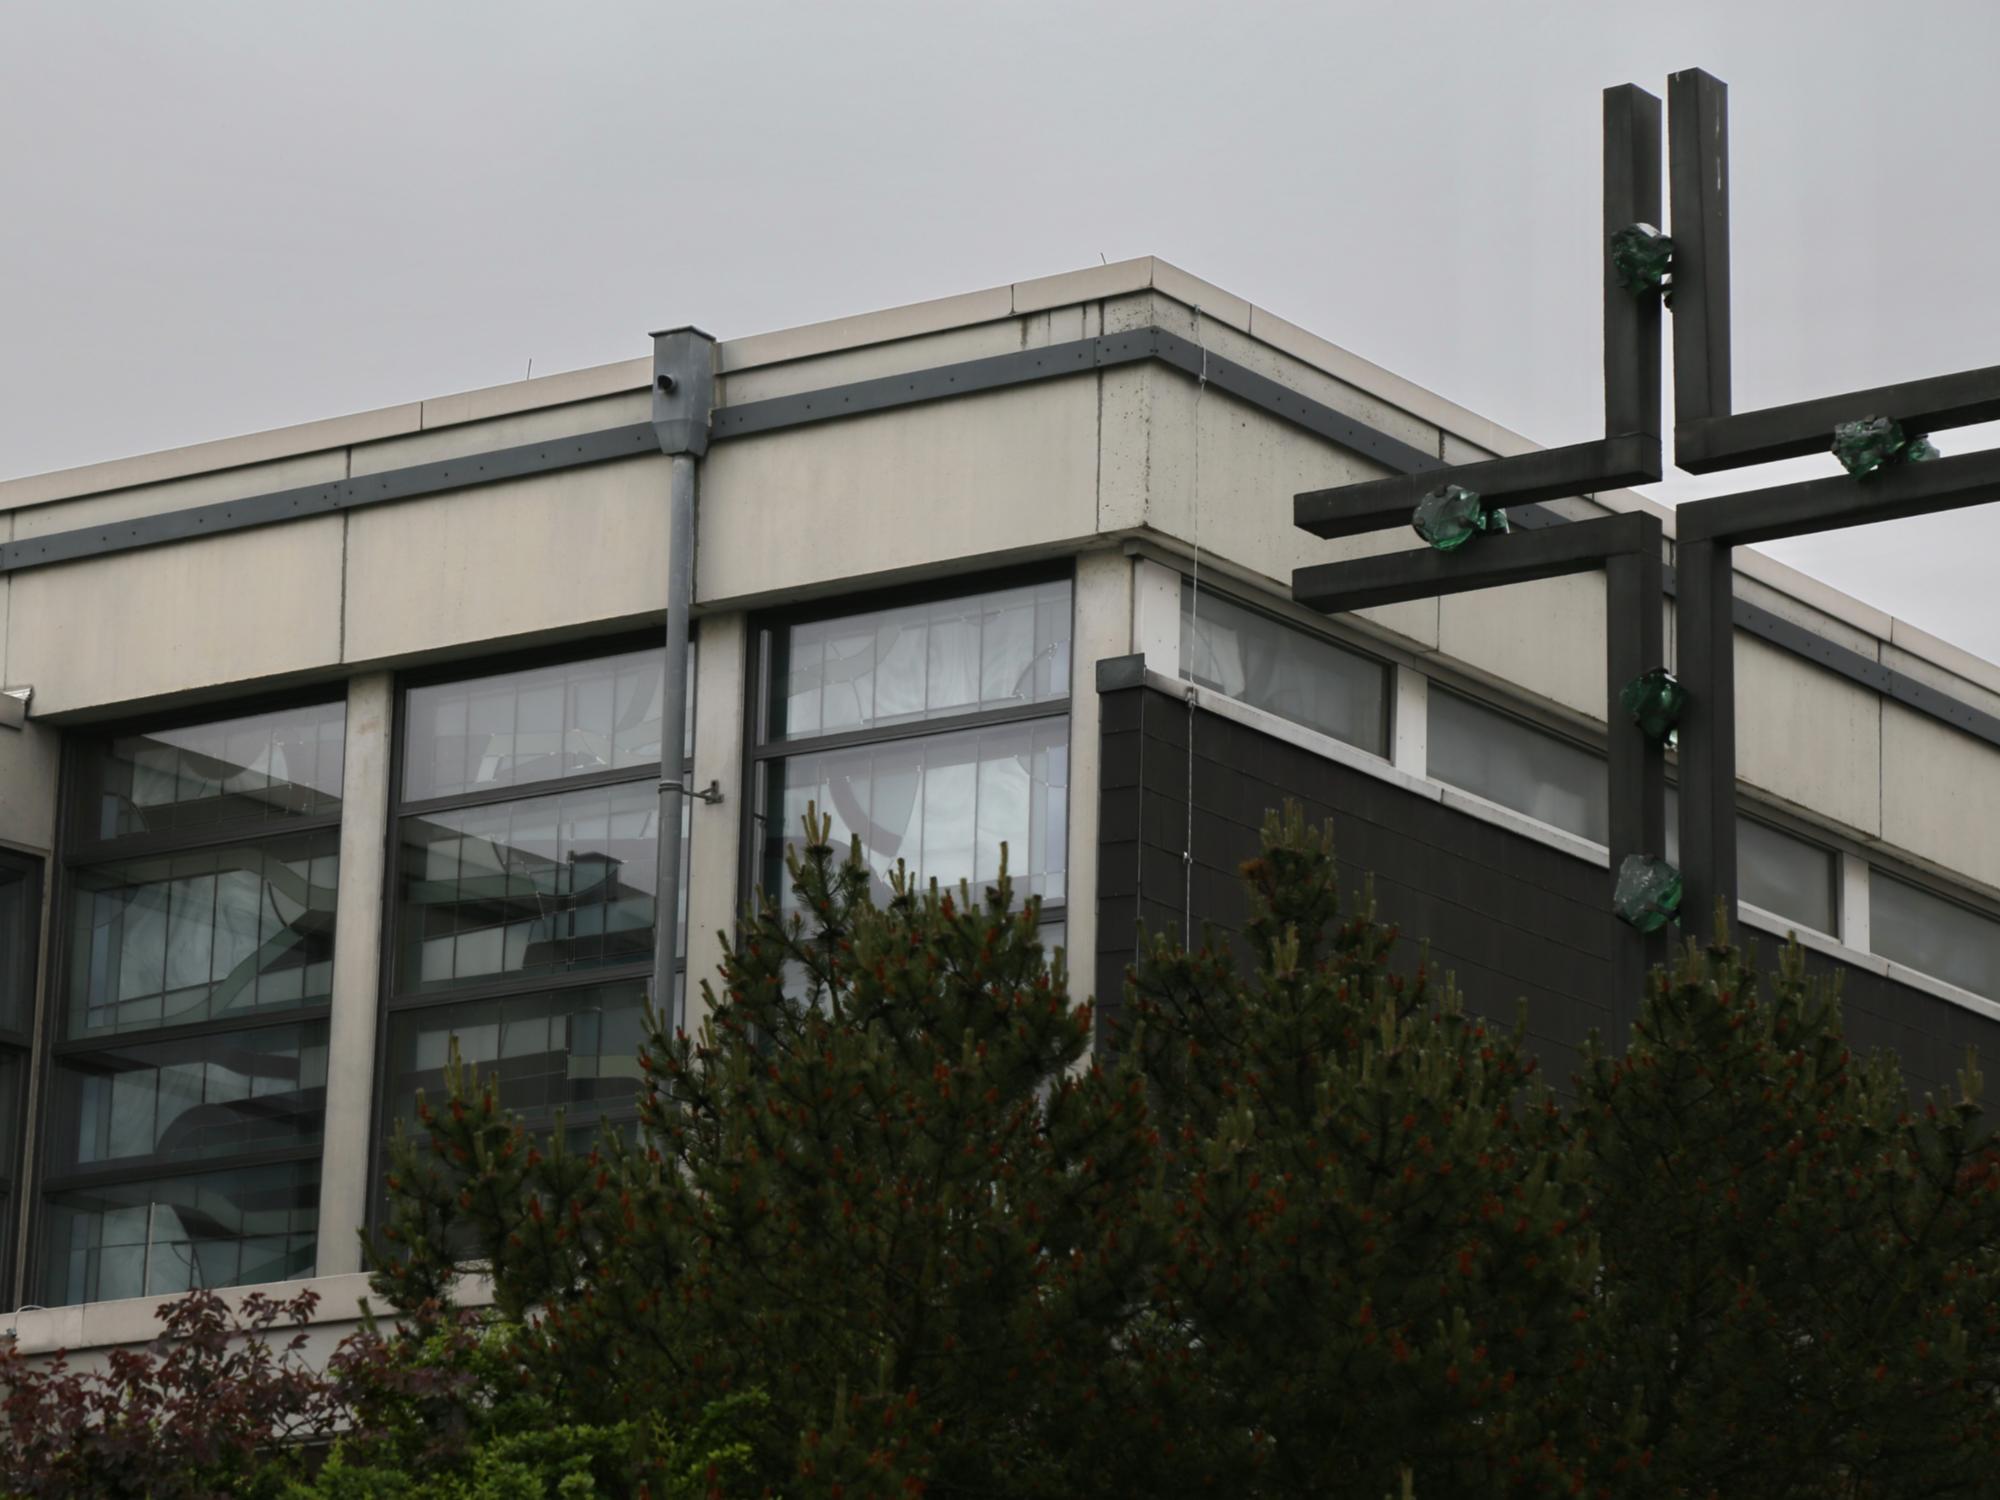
(525,878)
(1910,925)
(1555,781)
(1288,671)
(937,732)
(1505,760)
(20,939)
(188,1077)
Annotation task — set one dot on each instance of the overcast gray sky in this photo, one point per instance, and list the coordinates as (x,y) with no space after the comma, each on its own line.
(218,217)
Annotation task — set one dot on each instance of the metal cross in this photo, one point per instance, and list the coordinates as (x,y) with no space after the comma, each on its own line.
(1627,548)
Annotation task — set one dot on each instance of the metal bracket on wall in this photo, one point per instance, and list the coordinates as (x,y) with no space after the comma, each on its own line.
(14,706)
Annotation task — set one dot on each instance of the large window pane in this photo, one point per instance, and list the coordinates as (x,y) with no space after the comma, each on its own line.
(20,929)
(1786,875)
(251,771)
(149,1239)
(574,1050)
(1270,665)
(1934,936)
(921,661)
(518,728)
(1517,765)
(543,886)
(203,934)
(188,1100)
(943,804)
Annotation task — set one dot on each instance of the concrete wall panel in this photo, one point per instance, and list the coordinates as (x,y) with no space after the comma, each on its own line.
(504,432)
(180,618)
(506,560)
(1547,637)
(1807,736)
(29,757)
(1940,794)
(1248,466)
(910,489)
(181,494)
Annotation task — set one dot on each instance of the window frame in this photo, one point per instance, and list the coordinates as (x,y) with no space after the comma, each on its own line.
(1933,886)
(759,750)
(21,1045)
(74,853)
(1253,606)
(390,1002)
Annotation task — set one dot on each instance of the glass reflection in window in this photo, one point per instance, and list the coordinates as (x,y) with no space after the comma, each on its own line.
(1287,671)
(517,728)
(250,771)
(576,1050)
(944,804)
(1504,760)
(191,1099)
(922,661)
(1934,936)
(203,934)
(542,886)
(210,1229)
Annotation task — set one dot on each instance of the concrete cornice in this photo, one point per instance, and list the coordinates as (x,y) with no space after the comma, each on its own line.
(915,320)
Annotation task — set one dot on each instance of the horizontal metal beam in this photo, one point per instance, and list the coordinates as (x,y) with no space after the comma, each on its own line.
(1074,358)
(1523,478)
(964,378)
(1485,563)
(1803,427)
(408,483)
(1832,504)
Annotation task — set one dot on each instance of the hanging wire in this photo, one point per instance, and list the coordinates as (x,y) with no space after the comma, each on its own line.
(1194,637)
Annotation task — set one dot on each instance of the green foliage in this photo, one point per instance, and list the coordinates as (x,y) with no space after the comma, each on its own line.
(1378,1252)
(1317,1231)
(1801,1292)
(883,1185)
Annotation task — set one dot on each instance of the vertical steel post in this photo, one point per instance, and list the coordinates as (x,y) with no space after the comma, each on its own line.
(683,400)
(1635,640)
(1704,626)
(1631,324)
(1698,175)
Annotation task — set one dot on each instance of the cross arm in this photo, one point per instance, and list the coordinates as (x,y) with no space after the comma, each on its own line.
(1546,474)
(1801,427)
(1831,504)
(1490,562)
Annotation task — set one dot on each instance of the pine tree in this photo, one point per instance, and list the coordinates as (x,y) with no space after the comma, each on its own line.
(884,1185)
(1801,1291)
(1379,1250)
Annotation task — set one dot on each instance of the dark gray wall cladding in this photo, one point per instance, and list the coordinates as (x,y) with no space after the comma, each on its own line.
(1513,919)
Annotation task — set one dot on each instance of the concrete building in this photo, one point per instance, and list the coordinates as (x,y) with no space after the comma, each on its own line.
(345,739)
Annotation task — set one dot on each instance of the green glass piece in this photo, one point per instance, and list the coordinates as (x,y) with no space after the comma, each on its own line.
(1643,259)
(1451,516)
(1865,446)
(1648,892)
(1654,700)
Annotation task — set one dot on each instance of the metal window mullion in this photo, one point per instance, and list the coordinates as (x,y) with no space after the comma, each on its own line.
(915,729)
(514,989)
(187,1031)
(152,846)
(158,1171)
(529,792)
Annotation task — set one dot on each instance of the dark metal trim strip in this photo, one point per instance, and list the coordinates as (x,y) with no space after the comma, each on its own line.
(965,378)
(639,438)
(408,483)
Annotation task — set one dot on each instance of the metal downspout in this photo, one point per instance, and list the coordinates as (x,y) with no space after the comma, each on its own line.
(683,400)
